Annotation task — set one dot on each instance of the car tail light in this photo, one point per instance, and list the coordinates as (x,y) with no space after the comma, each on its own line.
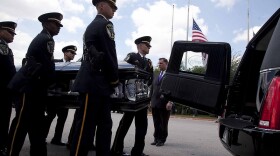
(270,111)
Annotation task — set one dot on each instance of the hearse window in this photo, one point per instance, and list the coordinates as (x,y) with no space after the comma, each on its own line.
(194,62)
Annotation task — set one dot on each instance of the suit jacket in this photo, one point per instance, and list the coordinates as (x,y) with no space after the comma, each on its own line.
(157,100)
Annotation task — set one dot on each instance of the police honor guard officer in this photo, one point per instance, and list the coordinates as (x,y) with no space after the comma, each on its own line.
(95,81)
(62,113)
(33,80)
(7,68)
(141,121)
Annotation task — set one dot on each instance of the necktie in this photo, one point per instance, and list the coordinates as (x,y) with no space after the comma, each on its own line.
(160,76)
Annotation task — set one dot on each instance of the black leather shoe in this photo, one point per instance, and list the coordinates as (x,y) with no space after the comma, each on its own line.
(154,143)
(58,143)
(92,148)
(125,154)
(119,154)
(143,154)
(3,152)
(160,144)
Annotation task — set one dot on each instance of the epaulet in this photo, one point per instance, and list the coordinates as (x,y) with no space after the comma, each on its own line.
(4,49)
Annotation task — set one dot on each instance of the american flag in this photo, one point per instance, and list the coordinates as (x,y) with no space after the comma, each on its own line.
(197,35)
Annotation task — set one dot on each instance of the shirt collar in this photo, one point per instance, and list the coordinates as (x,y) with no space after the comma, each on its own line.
(103,17)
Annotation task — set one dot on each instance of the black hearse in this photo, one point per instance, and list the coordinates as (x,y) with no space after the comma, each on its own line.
(249,105)
(132,93)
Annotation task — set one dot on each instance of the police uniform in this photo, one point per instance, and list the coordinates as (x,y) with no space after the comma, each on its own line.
(8,70)
(141,121)
(95,82)
(61,113)
(32,81)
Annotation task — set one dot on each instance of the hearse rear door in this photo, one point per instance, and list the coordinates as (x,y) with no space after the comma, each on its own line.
(198,75)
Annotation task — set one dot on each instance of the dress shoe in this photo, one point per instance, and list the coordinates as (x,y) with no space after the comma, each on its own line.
(68,145)
(59,143)
(3,152)
(143,154)
(125,154)
(92,147)
(160,144)
(119,154)
(154,143)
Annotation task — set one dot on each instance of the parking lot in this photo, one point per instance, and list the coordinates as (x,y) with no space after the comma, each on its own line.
(187,137)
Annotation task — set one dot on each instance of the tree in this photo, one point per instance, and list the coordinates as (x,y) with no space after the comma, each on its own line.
(235,60)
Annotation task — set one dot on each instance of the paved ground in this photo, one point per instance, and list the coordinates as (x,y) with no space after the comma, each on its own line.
(187,137)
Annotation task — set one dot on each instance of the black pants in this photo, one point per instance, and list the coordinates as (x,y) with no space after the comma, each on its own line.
(62,114)
(29,120)
(161,118)
(141,125)
(5,115)
(94,114)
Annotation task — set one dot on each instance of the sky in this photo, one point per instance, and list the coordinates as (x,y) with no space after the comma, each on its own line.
(165,21)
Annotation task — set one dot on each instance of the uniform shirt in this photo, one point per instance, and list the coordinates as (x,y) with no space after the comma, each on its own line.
(7,67)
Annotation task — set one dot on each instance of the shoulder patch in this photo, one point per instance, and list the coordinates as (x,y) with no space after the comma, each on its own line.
(4,49)
(110,31)
(50,46)
(127,57)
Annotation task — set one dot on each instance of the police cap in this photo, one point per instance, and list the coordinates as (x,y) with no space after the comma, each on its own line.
(51,17)
(70,48)
(145,39)
(94,2)
(9,26)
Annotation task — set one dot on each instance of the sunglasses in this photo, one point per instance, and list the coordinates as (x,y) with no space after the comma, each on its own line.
(73,53)
(11,32)
(148,45)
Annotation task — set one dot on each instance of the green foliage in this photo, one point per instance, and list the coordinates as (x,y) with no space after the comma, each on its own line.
(235,60)
(198,69)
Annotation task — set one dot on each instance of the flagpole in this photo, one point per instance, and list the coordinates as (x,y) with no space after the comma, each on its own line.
(186,56)
(188,20)
(248,18)
(172,26)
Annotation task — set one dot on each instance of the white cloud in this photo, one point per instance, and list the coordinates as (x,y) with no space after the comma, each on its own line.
(73,23)
(155,22)
(70,6)
(20,45)
(26,9)
(123,3)
(224,3)
(242,35)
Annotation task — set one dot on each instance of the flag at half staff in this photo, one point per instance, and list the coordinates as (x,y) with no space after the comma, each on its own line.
(197,35)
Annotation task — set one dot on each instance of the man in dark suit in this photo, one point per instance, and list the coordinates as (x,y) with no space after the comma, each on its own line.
(160,107)
(141,121)
(33,81)
(7,69)
(69,54)
(95,82)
